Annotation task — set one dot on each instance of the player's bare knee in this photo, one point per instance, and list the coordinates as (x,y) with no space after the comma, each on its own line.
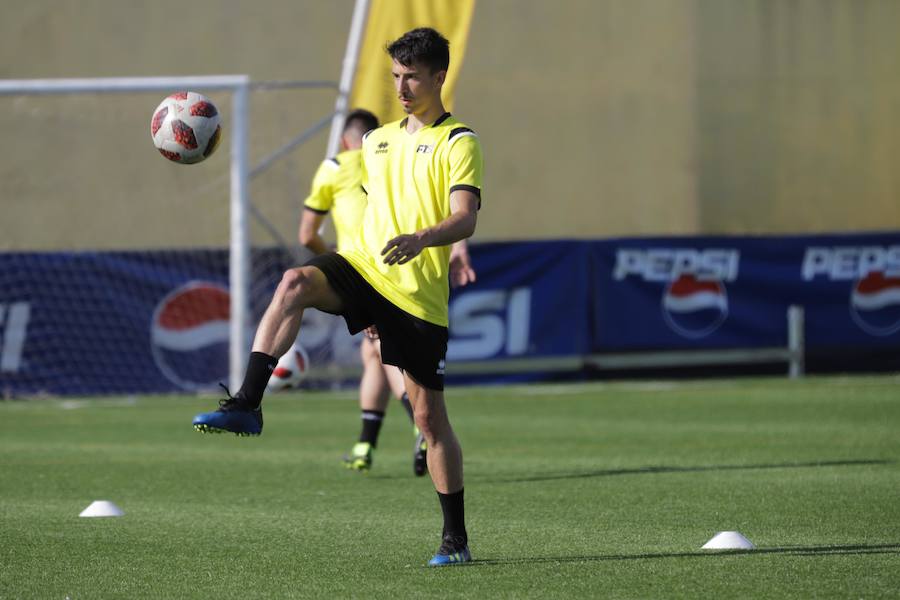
(424,423)
(296,288)
(431,422)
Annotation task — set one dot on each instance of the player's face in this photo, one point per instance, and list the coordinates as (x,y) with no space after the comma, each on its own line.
(417,87)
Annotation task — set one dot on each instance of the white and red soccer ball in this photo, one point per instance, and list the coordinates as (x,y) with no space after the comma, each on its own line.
(185,127)
(290,370)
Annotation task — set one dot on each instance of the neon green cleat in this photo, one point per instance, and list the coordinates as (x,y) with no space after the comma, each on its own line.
(360,458)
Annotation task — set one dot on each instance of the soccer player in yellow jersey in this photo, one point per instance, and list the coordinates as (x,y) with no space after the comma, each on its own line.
(423,179)
(337,189)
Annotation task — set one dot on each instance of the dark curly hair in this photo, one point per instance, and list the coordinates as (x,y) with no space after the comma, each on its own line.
(423,46)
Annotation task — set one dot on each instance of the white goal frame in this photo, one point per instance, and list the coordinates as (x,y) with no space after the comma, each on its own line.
(241,174)
(239,253)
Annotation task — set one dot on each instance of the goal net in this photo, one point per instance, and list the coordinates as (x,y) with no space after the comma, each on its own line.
(121,272)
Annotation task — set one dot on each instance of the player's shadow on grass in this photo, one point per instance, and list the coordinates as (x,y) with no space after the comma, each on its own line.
(674,469)
(791,550)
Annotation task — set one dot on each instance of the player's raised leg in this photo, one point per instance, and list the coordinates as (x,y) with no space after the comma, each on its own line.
(445,465)
(300,288)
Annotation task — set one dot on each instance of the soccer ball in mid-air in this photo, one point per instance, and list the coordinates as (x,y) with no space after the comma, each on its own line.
(185,127)
(290,370)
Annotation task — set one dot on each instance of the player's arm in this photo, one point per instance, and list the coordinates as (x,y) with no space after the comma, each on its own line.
(458,226)
(317,205)
(461,271)
(310,224)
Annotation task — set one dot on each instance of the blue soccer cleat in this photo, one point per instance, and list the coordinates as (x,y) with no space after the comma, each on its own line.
(232,416)
(453,551)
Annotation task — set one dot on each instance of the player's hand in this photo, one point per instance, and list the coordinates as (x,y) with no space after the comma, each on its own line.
(403,249)
(372,332)
(461,271)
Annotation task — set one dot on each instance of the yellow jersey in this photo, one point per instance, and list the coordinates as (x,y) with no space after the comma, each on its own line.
(409,178)
(337,188)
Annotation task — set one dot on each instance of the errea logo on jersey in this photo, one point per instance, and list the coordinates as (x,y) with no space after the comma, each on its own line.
(382,148)
(874,296)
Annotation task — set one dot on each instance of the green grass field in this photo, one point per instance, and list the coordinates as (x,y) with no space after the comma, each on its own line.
(572,491)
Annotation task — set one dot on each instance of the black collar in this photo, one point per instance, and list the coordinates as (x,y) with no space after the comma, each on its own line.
(439,120)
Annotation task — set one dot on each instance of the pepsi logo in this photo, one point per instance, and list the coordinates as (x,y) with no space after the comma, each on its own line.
(189,335)
(694,308)
(875,304)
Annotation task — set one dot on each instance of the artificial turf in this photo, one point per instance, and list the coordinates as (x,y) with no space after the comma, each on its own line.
(581,490)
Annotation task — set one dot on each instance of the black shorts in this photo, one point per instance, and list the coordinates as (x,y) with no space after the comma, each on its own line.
(413,344)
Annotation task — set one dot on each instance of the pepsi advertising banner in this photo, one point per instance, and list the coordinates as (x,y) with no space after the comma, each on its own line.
(734,292)
(120,322)
(157,321)
(688,294)
(859,278)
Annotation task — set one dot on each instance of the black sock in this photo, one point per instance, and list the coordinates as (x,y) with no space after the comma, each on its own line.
(259,369)
(454,517)
(371,426)
(404,400)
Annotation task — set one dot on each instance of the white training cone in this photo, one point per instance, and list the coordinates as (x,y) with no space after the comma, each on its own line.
(102,508)
(728,540)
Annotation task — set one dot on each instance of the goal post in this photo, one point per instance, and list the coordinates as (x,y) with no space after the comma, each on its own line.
(239,249)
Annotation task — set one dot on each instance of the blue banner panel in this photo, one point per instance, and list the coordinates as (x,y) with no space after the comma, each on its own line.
(156,322)
(850,286)
(119,322)
(530,299)
(730,292)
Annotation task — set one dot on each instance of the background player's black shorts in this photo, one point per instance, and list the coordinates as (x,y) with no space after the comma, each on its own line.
(416,346)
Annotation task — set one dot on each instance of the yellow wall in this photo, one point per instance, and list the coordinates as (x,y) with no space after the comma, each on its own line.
(83,172)
(586,112)
(798,115)
(599,118)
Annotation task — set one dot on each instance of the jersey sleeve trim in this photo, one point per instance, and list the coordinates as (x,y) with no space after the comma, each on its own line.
(333,161)
(458,134)
(459,130)
(468,188)
(316,210)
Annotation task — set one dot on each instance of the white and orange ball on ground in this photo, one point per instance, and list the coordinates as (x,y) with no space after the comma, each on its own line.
(290,370)
(185,127)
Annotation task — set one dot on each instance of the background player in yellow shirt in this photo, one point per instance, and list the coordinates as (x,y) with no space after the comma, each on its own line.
(423,179)
(337,189)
